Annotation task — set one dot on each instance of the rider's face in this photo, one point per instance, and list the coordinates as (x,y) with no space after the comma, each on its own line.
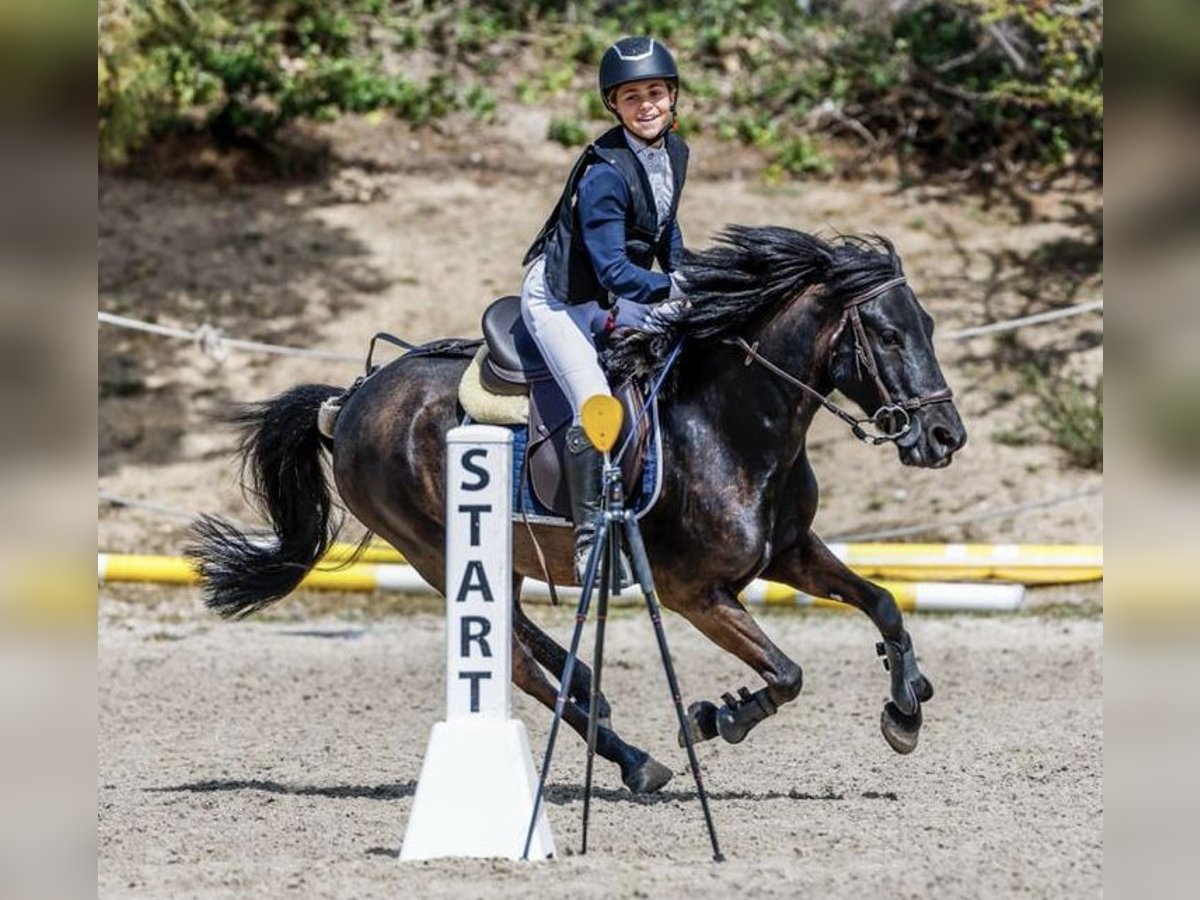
(644,107)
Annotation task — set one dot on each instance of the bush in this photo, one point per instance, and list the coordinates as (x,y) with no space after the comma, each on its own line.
(568,132)
(240,75)
(1002,81)
(1071,415)
(983,85)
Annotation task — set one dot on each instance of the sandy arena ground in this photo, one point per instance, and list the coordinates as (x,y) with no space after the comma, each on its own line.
(279,756)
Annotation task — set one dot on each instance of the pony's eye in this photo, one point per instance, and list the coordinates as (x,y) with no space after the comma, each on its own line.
(891,338)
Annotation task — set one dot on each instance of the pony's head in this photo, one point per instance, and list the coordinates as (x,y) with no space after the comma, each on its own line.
(882,358)
(874,333)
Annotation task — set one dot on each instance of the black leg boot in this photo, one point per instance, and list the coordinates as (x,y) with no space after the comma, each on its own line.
(584,471)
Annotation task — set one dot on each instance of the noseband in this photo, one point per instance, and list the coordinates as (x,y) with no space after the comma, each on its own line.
(893,419)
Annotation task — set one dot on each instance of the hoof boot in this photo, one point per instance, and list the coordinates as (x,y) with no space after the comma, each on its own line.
(740,714)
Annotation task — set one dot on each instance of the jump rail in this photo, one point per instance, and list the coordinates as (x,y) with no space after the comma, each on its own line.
(920,596)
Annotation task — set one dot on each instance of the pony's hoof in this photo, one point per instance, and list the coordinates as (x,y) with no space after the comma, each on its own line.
(900,730)
(701,722)
(647,778)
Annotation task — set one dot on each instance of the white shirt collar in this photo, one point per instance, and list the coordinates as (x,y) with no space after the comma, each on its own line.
(638,146)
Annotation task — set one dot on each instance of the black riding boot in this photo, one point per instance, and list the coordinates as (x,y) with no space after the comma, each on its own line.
(585,482)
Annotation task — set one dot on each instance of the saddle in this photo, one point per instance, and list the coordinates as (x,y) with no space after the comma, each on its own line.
(510,366)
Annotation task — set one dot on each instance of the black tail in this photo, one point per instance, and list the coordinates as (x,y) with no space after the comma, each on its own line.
(283,476)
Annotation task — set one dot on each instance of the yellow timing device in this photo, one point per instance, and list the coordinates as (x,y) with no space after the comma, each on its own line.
(602,417)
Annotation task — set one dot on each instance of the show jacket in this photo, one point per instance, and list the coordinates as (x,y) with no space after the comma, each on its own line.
(604,234)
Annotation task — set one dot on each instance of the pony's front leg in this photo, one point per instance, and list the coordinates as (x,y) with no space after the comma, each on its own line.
(723,619)
(812,567)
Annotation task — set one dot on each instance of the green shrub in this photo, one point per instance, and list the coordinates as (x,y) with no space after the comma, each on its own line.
(568,132)
(242,75)
(801,156)
(976,85)
(1071,415)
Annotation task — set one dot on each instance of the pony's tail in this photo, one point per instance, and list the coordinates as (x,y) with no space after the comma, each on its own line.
(282,475)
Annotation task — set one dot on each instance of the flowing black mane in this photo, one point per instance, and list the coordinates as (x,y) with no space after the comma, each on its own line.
(746,275)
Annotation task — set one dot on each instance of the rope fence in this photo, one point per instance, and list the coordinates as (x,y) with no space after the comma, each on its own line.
(213,343)
(1022,321)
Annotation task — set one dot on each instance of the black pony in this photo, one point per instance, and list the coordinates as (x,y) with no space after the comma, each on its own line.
(777,320)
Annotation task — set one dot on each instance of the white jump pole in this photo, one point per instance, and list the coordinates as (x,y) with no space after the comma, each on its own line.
(477,785)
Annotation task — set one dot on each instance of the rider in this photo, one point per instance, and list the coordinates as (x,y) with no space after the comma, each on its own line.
(589,267)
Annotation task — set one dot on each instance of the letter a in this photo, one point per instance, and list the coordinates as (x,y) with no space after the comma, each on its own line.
(475,579)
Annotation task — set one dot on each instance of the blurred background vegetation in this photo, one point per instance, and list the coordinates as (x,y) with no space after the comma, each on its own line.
(990,89)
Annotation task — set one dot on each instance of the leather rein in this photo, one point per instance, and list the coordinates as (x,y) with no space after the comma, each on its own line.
(891,411)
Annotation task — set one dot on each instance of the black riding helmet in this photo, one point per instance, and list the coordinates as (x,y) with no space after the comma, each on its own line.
(636,59)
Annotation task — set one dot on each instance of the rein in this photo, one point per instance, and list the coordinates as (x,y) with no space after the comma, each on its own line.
(890,411)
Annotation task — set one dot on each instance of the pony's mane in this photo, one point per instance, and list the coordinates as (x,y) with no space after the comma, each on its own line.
(748,274)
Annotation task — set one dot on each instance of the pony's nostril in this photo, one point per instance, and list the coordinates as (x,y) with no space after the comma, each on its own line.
(944,437)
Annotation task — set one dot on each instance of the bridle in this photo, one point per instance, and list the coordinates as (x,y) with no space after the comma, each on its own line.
(893,419)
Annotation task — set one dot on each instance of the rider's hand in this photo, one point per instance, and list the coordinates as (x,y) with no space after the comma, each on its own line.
(678,287)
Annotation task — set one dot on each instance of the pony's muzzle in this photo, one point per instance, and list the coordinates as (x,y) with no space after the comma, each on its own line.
(937,433)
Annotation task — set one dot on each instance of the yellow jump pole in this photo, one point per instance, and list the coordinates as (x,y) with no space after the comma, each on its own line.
(1027,564)
(919,596)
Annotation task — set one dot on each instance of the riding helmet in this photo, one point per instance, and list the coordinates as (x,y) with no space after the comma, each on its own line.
(635,59)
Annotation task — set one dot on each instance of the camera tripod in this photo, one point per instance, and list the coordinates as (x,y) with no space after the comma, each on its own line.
(616,528)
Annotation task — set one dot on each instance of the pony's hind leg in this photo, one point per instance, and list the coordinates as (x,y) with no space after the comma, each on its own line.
(640,771)
(553,656)
(812,567)
(728,624)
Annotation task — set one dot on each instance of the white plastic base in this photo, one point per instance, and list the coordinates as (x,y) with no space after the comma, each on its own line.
(476,793)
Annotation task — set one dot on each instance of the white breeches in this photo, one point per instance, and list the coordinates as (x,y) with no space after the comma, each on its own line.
(564,334)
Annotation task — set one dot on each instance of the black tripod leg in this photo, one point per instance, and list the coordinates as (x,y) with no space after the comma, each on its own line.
(585,599)
(641,571)
(607,568)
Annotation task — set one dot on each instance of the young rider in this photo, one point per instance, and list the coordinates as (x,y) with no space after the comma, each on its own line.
(591,262)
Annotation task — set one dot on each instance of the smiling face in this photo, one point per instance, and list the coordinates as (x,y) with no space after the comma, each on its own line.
(644,107)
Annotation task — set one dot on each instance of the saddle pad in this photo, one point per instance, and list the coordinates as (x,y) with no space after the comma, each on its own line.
(484,406)
(640,497)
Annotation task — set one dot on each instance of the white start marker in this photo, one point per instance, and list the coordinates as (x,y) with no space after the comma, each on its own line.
(477,785)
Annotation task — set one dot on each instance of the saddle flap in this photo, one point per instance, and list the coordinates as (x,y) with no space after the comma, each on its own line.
(513,357)
(549,416)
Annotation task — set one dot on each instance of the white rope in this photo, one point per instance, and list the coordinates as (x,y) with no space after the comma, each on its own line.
(866,536)
(1035,319)
(213,343)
